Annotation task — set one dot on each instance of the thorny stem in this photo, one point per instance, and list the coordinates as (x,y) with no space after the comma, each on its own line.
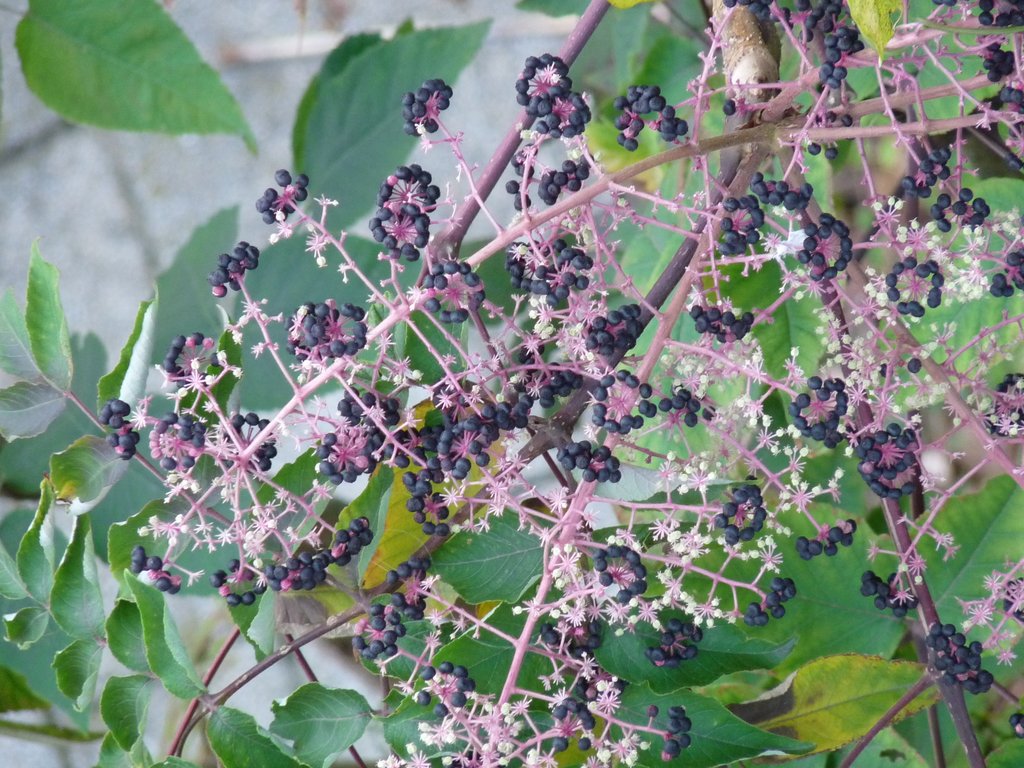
(912,693)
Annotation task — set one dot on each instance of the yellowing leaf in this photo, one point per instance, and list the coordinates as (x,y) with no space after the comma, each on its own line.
(874,18)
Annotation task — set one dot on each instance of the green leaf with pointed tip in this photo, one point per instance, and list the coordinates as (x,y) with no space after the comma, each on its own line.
(499,564)
(18,694)
(239,743)
(723,650)
(124,636)
(128,379)
(77,668)
(35,554)
(28,408)
(875,20)
(15,348)
(11,586)
(45,323)
(126,67)
(375,503)
(321,722)
(353,132)
(445,342)
(83,471)
(810,706)
(257,622)
(112,756)
(26,626)
(75,600)
(123,705)
(165,651)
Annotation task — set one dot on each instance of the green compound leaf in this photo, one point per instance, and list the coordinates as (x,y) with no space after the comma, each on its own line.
(77,668)
(875,20)
(123,705)
(499,564)
(18,694)
(239,743)
(45,323)
(353,135)
(812,707)
(719,736)
(75,601)
(125,638)
(128,379)
(15,349)
(165,651)
(84,471)
(28,408)
(35,553)
(321,722)
(125,66)
(26,626)
(724,649)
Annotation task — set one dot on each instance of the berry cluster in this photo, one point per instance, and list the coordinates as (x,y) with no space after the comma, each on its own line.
(597,463)
(278,206)
(421,108)
(574,716)
(246,427)
(836,535)
(839,44)
(219,581)
(545,89)
(552,270)
(781,591)
(742,228)
(353,449)
(630,577)
(678,643)
(997,62)
(231,268)
(642,100)
(449,683)
(605,404)
(124,439)
(780,193)
(934,168)
(453,291)
(188,353)
(970,211)
(428,507)
(155,569)
(615,333)
(887,594)
(580,641)
(914,279)
(684,403)
(725,326)
(1011,13)
(323,331)
(762,9)
(822,17)
(743,515)
(1012,277)
(177,440)
(678,737)
(402,221)
(1007,416)
(958,661)
(827,248)
(570,176)
(887,458)
(826,405)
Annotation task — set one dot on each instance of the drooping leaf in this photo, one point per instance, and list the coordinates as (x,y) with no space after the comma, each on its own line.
(257,622)
(123,705)
(77,668)
(28,408)
(26,626)
(125,67)
(15,349)
(376,503)
(321,722)
(127,381)
(18,695)
(112,756)
(75,600)
(45,323)
(124,636)
(165,650)
(499,564)
(35,554)
(875,20)
(10,583)
(811,707)
(239,743)
(83,472)
(724,649)
(354,135)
